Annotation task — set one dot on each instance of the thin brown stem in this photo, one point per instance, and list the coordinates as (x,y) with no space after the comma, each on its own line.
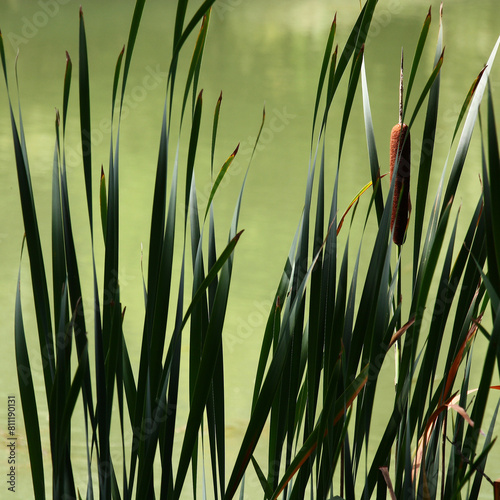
(443,454)
(401,90)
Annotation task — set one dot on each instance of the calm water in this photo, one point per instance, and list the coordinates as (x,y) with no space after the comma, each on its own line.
(257,52)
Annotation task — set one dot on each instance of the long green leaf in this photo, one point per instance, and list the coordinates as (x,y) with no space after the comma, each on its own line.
(28,401)
(426,153)
(85,130)
(351,91)
(103,204)
(427,87)
(134,28)
(58,255)
(465,138)
(196,62)
(324,67)
(416,58)
(494,184)
(214,133)
(193,145)
(38,276)
(372,147)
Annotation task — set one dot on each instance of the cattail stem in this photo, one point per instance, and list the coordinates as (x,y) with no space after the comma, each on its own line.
(398,323)
(401,90)
(400,160)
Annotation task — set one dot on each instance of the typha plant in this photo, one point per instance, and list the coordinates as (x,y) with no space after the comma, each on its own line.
(330,329)
(400,158)
(400,170)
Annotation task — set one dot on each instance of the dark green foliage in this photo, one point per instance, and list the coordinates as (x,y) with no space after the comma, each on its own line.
(329,328)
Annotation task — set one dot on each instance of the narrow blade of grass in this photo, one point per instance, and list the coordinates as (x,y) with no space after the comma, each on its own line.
(134,28)
(84,93)
(494,184)
(195,65)
(214,133)
(465,138)
(427,87)
(324,67)
(28,401)
(37,266)
(193,145)
(416,58)
(103,204)
(372,147)
(58,255)
(426,153)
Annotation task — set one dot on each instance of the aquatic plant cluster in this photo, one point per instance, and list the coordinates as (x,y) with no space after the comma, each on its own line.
(328,329)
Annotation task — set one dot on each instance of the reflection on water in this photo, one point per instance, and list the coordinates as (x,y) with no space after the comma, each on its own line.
(257,52)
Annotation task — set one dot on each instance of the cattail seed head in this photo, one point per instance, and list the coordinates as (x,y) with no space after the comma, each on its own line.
(400,153)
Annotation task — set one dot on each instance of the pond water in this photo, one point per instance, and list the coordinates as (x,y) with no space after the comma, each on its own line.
(257,52)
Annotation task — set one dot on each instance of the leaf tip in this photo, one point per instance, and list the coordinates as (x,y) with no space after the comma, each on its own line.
(478,78)
(236,150)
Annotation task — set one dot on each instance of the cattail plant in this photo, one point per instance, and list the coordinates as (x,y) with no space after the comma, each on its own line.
(400,153)
(329,328)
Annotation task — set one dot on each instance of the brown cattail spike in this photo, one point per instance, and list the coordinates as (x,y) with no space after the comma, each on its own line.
(400,155)
(496,489)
